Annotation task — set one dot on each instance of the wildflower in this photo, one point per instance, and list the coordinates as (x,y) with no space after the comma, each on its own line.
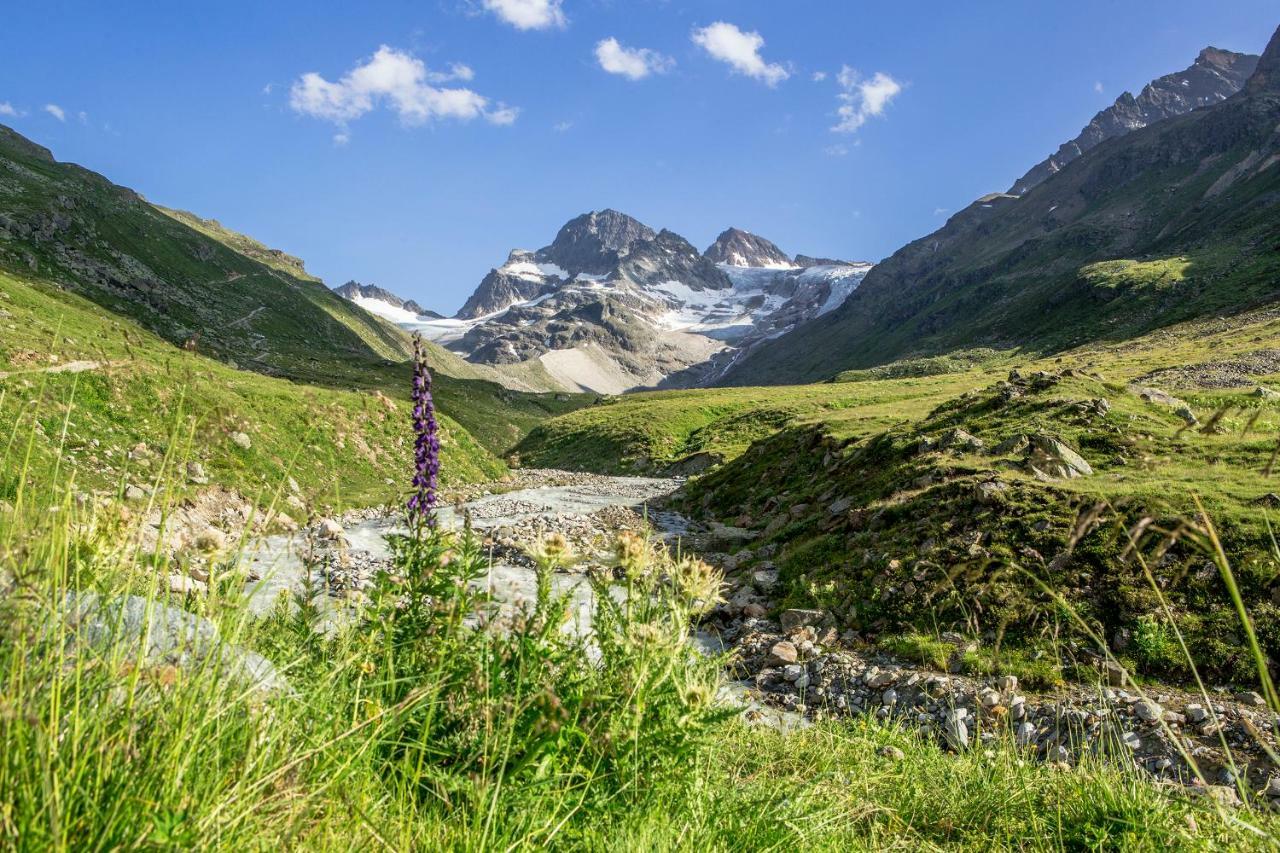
(696,581)
(367,667)
(632,553)
(426,445)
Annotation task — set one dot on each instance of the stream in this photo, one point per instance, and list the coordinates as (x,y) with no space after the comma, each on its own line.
(277,562)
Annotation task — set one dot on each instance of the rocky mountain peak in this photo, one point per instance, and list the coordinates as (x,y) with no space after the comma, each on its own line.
(1266,76)
(739,248)
(1215,76)
(365,294)
(594,241)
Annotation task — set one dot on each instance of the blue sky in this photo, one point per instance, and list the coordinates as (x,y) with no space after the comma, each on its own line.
(420,175)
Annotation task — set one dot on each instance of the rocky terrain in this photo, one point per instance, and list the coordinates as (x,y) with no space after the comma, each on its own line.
(1164,223)
(612,304)
(384,303)
(1215,76)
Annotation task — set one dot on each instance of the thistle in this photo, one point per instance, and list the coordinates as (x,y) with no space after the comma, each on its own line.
(426,444)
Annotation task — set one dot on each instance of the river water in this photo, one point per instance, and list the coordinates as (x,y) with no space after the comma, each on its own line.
(279,566)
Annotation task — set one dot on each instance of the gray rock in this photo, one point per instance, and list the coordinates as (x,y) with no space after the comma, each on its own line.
(1025,734)
(1054,458)
(134,493)
(1266,393)
(1147,710)
(241,440)
(796,618)
(1131,740)
(1252,698)
(1008,684)
(1196,713)
(185,585)
(956,731)
(155,633)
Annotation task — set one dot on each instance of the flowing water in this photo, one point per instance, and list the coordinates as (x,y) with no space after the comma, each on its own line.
(279,565)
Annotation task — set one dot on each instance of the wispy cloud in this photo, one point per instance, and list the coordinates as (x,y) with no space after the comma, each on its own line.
(862,99)
(8,109)
(56,111)
(1097,86)
(941,211)
(529,14)
(403,84)
(836,150)
(740,51)
(819,76)
(562,126)
(634,63)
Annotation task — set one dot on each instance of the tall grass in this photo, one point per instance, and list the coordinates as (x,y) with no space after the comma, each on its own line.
(438,720)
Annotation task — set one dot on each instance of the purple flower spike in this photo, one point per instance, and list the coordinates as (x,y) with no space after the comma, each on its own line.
(426,444)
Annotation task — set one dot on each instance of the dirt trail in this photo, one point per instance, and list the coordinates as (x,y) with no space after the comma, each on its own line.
(80,366)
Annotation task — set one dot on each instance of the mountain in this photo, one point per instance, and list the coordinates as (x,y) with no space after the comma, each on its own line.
(612,304)
(742,249)
(384,303)
(1168,222)
(1215,76)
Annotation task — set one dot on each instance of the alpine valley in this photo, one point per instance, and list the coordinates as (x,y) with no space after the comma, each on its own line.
(647,546)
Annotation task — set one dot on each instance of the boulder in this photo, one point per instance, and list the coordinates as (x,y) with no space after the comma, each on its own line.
(156,634)
(796,618)
(1055,459)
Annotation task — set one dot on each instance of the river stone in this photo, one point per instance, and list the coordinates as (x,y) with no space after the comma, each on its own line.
(796,618)
(1147,710)
(327,528)
(783,652)
(155,633)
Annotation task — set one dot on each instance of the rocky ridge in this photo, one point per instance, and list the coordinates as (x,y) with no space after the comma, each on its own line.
(611,304)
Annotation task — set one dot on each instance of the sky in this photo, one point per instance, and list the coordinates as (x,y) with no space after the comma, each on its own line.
(414,144)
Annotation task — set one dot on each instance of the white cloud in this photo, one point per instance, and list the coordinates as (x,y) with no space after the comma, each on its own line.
(1097,86)
(457,71)
(562,126)
(503,115)
(266,90)
(401,82)
(862,99)
(741,51)
(83,116)
(941,211)
(529,14)
(8,109)
(634,63)
(56,111)
(341,138)
(819,76)
(836,150)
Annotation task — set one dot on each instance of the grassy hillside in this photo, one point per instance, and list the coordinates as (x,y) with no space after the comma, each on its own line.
(100,386)
(1168,223)
(888,517)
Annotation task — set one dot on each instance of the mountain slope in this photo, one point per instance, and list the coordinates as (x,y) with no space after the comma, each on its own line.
(1166,223)
(1215,76)
(225,296)
(611,305)
(384,303)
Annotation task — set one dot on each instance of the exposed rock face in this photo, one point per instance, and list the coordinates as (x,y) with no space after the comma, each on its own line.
(1215,76)
(1266,76)
(353,289)
(612,305)
(739,248)
(670,257)
(593,242)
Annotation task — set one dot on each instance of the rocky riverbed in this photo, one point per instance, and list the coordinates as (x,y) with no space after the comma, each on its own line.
(790,667)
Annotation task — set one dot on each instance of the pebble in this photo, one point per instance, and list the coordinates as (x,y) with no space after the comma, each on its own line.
(241,440)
